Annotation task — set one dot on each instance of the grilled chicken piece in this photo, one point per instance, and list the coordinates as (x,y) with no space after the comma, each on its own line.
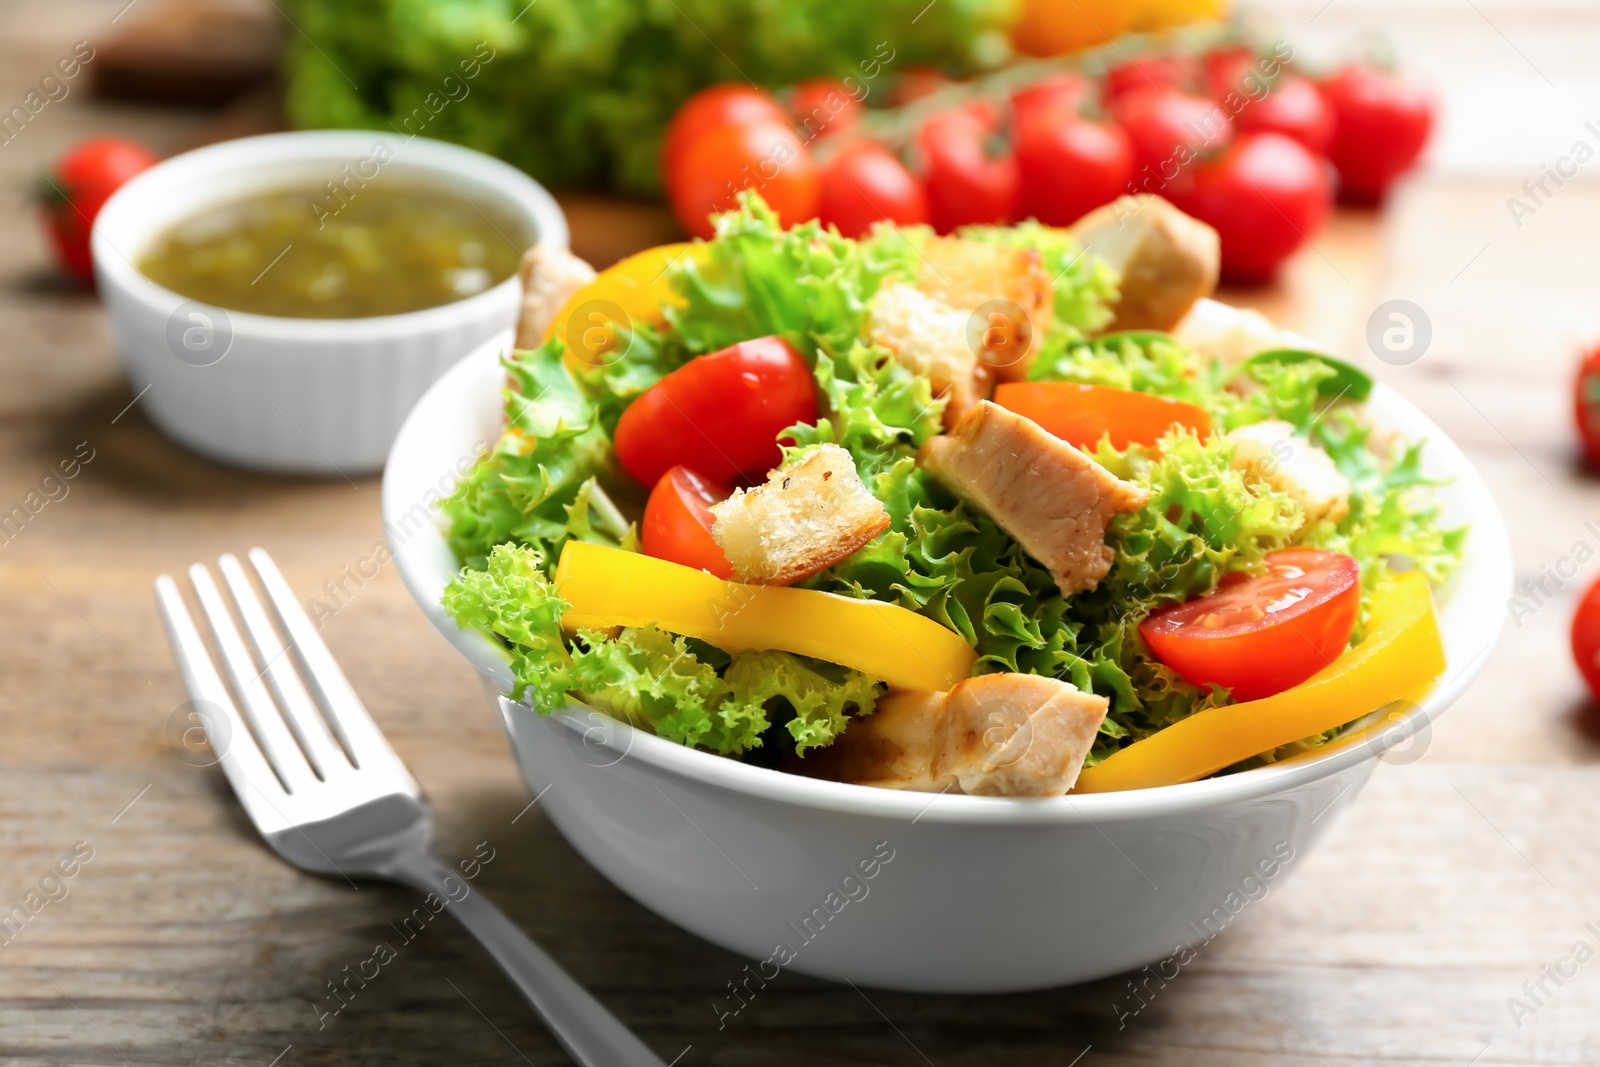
(1052,498)
(971,275)
(550,276)
(1293,466)
(805,518)
(995,735)
(928,336)
(1167,260)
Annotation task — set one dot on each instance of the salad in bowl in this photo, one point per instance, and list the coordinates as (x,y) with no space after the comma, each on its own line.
(1001,513)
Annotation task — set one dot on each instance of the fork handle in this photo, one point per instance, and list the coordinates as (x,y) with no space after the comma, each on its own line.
(592,1036)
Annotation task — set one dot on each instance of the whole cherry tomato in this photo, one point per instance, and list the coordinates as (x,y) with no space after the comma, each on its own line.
(863,183)
(720,414)
(1265,197)
(1293,107)
(677,522)
(78,186)
(1381,125)
(1068,166)
(1157,70)
(969,180)
(728,104)
(917,83)
(1586,638)
(722,162)
(1259,635)
(1586,406)
(1066,90)
(1228,72)
(822,107)
(1170,130)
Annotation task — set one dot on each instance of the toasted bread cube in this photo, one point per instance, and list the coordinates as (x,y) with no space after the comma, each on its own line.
(1293,466)
(972,275)
(928,336)
(805,518)
(994,735)
(1052,498)
(1166,259)
(550,277)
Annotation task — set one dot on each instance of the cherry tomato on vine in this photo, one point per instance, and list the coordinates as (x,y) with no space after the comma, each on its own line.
(78,186)
(1259,635)
(1170,130)
(766,156)
(1067,166)
(864,183)
(1265,197)
(677,522)
(1586,406)
(728,104)
(823,107)
(970,178)
(1294,107)
(1066,91)
(1163,70)
(1381,125)
(719,414)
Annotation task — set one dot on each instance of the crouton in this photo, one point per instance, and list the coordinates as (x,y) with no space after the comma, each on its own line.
(1293,466)
(1052,498)
(805,518)
(929,337)
(994,735)
(971,276)
(550,277)
(1166,259)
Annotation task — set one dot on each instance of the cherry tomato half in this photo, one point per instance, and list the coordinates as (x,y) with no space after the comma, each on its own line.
(1068,166)
(724,161)
(1586,406)
(78,186)
(677,522)
(1381,125)
(968,181)
(1265,197)
(863,183)
(720,414)
(1259,635)
(1293,107)
(729,104)
(1082,414)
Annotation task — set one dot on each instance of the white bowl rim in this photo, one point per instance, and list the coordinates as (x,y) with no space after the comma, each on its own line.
(1488,538)
(517,189)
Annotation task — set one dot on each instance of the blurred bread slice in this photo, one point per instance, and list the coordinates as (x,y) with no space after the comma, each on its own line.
(550,277)
(805,518)
(1167,260)
(928,336)
(970,275)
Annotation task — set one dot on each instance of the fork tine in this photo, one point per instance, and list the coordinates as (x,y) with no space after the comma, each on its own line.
(305,721)
(236,750)
(277,744)
(350,719)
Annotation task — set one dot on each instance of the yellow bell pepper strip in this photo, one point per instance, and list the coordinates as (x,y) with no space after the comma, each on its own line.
(635,290)
(606,587)
(1401,655)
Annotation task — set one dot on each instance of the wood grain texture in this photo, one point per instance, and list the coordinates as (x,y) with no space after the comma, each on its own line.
(1400,940)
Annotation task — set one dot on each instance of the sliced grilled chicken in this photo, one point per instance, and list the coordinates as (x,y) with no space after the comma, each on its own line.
(1167,259)
(550,277)
(994,735)
(1052,498)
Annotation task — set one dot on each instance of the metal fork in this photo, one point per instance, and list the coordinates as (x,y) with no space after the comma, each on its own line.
(331,797)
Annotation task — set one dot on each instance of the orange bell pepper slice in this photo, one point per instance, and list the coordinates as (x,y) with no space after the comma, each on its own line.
(1082,414)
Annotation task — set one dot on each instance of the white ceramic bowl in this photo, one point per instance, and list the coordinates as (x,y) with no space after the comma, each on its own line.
(322,396)
(981,894)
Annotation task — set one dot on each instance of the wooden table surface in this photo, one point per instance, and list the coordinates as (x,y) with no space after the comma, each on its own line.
(1402,939)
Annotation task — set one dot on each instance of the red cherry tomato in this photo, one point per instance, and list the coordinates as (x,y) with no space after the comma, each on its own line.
(766,157)
(1293,107)
(1082,414)
(917,83)
(1586,406)
(1381,125)
(1155,71)
(78,186)
(1169,131)
(1586,638)
(1068,166)
(720,414)
(1265,197)
(1228,72)
(1064,91)
(677,522)
(968,181)
(1259,635)
(863,184)
(730,104)
(823,107)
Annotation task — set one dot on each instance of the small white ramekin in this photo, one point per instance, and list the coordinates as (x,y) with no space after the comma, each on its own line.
(319,396)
